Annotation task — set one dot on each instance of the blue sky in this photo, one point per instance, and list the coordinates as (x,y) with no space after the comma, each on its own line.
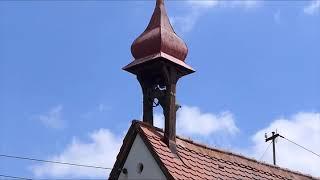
(63,93)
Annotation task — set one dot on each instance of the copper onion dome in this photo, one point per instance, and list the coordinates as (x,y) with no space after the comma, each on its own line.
(159,41)
(159,36)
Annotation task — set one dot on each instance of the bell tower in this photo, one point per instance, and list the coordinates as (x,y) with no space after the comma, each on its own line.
(159,56)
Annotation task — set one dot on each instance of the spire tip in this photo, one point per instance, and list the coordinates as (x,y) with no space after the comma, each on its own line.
(159,2)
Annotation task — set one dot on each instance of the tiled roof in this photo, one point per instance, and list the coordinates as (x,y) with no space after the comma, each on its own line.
(196,161)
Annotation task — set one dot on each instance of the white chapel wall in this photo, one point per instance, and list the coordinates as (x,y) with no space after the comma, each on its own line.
(140,155)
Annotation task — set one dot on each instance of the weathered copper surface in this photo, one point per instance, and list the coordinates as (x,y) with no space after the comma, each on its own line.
(197,161)
(159,42)
(159,36)
(182,67)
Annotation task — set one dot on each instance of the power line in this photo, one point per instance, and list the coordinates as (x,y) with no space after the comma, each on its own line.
(7,177)
(14,177)
(154,0)
(265,151)
(53,162)
(300,146)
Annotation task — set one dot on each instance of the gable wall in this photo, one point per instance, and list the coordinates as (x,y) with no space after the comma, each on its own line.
(139,153)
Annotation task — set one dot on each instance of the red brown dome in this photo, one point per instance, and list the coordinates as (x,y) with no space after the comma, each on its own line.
(159,37)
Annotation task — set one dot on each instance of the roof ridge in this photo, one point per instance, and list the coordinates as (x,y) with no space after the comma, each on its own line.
(139,122)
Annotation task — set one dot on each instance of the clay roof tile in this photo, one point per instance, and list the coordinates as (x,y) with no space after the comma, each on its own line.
(197,161)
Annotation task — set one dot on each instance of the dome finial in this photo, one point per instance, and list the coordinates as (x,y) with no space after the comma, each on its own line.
(159,2)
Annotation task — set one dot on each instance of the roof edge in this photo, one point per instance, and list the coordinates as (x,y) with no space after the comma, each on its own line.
(187,69)
(230,153)
(134,130)
(156,157)
(123,153)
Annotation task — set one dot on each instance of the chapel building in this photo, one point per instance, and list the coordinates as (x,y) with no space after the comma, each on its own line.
(149,152)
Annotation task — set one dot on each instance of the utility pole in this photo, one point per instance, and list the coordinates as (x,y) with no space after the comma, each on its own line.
(273,138)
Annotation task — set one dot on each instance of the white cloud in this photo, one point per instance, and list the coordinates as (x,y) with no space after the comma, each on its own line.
(197,8)
(240,3)
(312,8)
(53,118)
(203,3)
(223,3)
(302,128)
(192,122)
(101,151)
